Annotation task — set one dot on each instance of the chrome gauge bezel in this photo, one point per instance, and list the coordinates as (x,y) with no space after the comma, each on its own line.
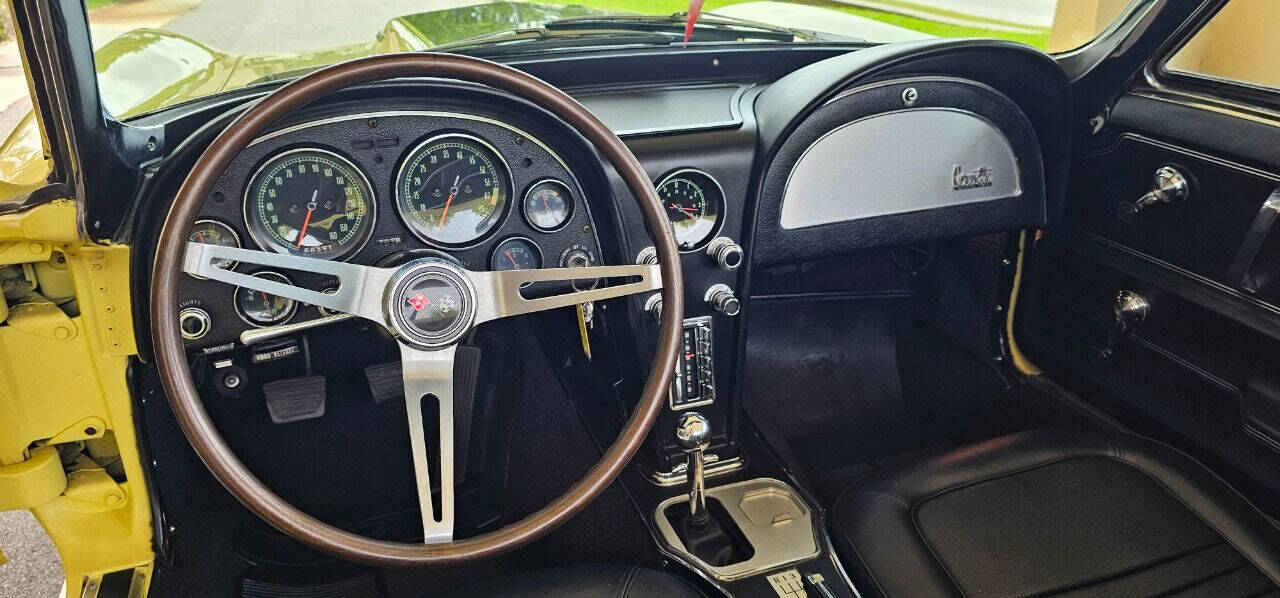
(234,235)
(542,258)
(409,222)
(524,211)
(372,206)
(722,206)
(290,313)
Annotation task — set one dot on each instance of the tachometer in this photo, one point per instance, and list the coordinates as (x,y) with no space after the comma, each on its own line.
(309,202)
(452,189)
(694,202)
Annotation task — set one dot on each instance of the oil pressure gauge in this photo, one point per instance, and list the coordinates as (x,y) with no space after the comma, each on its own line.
(516,253)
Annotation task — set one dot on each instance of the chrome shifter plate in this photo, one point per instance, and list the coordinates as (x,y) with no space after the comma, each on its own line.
(772,517)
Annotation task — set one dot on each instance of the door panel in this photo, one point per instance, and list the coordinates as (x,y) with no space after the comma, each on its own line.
(1183,373)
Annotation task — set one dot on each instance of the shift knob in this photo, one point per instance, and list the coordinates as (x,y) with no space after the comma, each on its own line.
(693,432)
(693,435)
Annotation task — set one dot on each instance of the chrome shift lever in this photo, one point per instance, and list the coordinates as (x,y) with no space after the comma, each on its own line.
(693,434)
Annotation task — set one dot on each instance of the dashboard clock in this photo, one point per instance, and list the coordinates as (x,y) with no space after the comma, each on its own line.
(694,202)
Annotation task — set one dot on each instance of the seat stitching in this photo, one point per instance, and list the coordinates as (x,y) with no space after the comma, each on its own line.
(1116,452)
(627,576)
(915,522)
(1202,519)
(1130,572)
(865,565)
(1203,580)
(884,494)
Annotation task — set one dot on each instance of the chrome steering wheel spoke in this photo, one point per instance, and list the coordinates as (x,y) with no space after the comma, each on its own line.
(430,374)
(430,304)
(500,297)
(360,288)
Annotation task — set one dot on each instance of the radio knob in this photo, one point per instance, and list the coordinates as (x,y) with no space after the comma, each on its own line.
(194,323)
(726,253)
(653,305)
(720,297)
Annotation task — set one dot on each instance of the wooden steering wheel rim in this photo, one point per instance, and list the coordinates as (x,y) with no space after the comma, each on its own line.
(212,448)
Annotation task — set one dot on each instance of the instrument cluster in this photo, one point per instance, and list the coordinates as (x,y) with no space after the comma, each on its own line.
(381,189)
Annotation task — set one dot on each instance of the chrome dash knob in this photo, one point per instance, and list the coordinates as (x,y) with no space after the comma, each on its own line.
(721,298)
(653,305)
(647,256)
(726,253)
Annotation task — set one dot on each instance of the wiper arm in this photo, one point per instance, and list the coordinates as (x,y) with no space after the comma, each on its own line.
(708,21)
(542,37)
(492,43)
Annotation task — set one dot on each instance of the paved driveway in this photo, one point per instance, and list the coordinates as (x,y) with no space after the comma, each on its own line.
(255,26)
(33,570)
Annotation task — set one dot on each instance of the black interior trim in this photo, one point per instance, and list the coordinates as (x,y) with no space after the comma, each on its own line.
(1211,295)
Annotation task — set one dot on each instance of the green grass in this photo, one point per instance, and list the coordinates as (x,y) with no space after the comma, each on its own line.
(1038,40)
(951,13)
(96,4)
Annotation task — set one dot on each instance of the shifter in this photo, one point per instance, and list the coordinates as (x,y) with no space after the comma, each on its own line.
(705,536)
(693,434)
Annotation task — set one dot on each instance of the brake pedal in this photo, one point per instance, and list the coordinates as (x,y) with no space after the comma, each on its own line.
(295,399)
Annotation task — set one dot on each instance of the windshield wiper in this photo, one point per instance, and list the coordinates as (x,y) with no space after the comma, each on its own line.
(496,42)
(541,38)
(720,27)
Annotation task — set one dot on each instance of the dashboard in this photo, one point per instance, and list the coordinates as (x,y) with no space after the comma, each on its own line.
(762,158)
(384,187)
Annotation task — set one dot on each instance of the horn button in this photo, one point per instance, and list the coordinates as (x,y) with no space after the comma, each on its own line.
(431,303)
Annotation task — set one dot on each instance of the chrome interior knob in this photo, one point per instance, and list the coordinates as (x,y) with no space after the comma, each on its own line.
(726,253)
(1168,185)
(653,305)
(721,298)
(647,256)
(693,432)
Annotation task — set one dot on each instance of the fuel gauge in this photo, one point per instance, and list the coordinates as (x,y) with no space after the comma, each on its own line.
(516,253)
(548,205)
(264,309)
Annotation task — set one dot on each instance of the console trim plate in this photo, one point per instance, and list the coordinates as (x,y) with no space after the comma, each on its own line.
(778,543)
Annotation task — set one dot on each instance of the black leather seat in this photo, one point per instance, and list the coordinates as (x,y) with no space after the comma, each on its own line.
(586,581)
(1055,512)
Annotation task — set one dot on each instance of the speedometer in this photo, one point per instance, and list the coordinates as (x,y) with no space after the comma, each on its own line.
(309,202)
(453,189)
(694,202)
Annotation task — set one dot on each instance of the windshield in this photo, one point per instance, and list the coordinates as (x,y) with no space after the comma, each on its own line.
(152,54)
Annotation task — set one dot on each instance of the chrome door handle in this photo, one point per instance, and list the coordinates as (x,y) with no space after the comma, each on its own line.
(1243,274)
(1168,185)
(1130,309)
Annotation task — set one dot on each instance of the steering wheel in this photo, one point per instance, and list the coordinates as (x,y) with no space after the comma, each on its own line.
(390,296)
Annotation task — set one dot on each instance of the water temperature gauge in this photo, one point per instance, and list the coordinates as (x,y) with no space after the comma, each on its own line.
(215,233)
